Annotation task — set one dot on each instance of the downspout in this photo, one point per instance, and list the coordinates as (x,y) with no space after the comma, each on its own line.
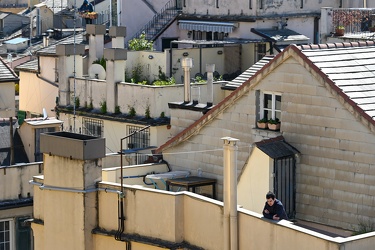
(230,194)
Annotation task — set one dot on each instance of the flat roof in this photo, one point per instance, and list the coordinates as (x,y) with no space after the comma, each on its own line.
(16,40)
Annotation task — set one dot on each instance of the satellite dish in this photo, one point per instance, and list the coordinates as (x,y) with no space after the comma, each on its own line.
(96,71)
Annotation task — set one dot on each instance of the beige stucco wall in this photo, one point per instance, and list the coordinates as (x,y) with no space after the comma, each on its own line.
(114,131)
(7,97)
(14,180)
(36,94)
(172,217)
(255,181)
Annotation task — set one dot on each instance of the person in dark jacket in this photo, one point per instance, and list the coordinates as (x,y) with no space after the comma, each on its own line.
(274,209)
(85,8)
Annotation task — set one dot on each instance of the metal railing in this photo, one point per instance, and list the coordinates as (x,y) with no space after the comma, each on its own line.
(353,20)
(160,20)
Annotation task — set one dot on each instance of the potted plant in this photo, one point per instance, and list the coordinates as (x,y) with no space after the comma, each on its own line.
(274,124)
(262,123)
(340,30)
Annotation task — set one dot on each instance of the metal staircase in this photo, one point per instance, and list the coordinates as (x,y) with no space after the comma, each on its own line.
(161,20)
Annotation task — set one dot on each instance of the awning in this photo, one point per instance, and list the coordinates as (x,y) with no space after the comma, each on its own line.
(225,27)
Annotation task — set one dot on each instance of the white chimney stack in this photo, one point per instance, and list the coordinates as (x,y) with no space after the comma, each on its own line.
(96,41)
(69,65)
(118,35)
(115,72)
(210,68)
(187,64)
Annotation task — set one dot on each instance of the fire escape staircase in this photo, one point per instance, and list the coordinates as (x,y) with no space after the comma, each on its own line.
(161,20)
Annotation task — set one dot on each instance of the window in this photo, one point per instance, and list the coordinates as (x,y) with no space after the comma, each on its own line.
(6,236)
(260,51)
(197,35)
(270,106)
(92,127)
(139,139)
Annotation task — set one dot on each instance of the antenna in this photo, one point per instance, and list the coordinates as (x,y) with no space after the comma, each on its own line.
(96,71)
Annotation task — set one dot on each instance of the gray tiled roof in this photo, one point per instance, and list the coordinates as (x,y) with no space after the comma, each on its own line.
(352,69)
(239,80)
(30,66)
(51,49)
(6,73)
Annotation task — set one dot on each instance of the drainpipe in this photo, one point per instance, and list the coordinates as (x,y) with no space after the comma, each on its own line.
(187,64)
(210,68)
(230,194)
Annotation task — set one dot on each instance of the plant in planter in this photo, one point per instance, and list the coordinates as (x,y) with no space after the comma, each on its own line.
(340,30)
(274,124)
(262,123)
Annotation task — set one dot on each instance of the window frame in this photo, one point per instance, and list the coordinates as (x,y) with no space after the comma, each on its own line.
(273,109)
(138,140)
(11,233)
(89,123)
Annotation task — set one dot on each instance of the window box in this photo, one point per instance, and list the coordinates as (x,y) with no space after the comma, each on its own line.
(274,124)
(263,124)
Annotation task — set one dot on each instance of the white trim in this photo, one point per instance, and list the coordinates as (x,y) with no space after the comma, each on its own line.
(11,231)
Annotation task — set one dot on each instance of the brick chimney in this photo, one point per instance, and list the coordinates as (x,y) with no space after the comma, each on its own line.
(69,62)
(96,41)
(115,71)
(118,34)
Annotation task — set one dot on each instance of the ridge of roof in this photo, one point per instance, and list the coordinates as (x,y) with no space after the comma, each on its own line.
(290,51)
(336,45)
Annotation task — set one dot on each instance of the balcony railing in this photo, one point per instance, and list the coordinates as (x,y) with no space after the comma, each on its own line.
(353,20)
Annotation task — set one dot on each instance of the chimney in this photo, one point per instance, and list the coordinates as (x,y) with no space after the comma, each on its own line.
(96,41)
(118,34)
(230,193)
(210,68)
(115,72)
(187,64)
(69,63)
(72,167)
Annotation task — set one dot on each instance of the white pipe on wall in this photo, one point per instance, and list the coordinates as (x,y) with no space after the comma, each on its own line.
(230,194)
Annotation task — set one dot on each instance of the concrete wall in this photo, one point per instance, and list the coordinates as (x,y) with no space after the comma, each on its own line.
(175,217)
(154,97)
(7,97)
(130,16)
(36,94)
(113,131)
(14,180)
(255,181)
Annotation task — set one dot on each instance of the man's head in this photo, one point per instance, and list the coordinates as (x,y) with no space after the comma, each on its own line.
(270,196)
(85,2)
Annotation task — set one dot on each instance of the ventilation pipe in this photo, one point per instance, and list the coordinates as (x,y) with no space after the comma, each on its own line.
(187,64)
(230,193)
(210,68)
(38,23)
